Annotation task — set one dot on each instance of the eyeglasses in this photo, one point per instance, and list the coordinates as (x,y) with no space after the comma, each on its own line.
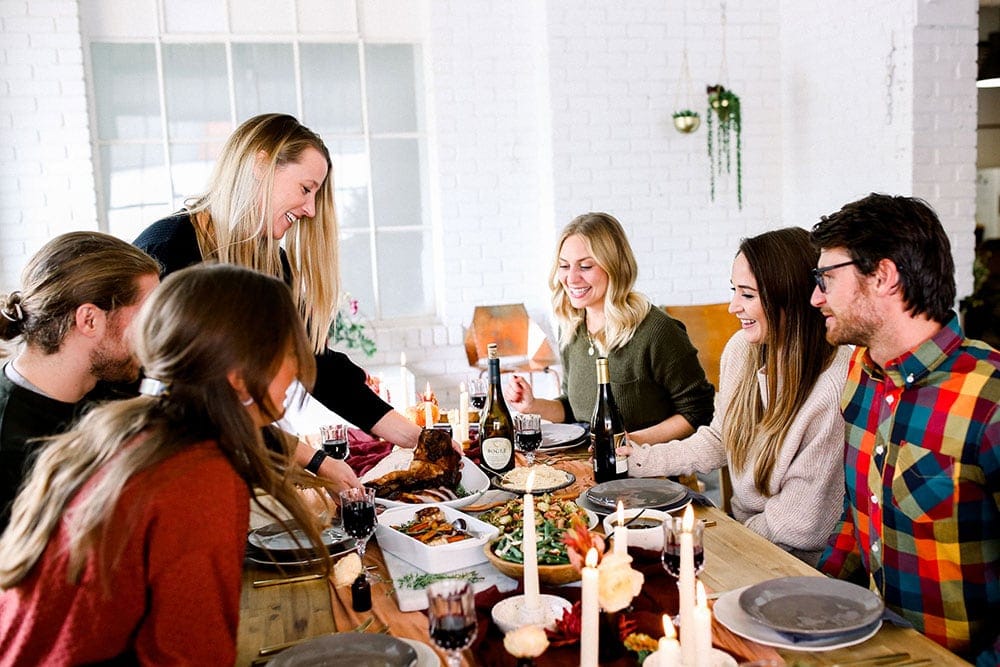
(818,273)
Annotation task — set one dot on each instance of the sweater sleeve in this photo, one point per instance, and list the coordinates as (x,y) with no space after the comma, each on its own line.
(675,367)
(340,386)
(803,509)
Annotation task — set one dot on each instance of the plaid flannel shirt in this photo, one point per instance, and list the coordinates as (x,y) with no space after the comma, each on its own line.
(921,519)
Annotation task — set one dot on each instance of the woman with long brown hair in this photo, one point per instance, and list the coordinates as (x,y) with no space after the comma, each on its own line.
(777,421)
(127,539)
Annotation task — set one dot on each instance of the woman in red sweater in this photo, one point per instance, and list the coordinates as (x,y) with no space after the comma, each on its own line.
(126,542)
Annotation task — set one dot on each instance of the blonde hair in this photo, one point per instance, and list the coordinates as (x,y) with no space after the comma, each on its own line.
(232,225)
(795,352)
(67,272)
(624,309)
(201,324)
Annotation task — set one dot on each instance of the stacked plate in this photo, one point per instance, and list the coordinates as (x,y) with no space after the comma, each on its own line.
(802,613)
(556,437)
(276,545)
(660,494)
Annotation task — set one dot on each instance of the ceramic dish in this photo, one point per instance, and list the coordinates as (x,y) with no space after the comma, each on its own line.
(568,480)
(636,493)
(718,658)
(426,657)
(811,606)
(433,558)
(507,613)
(473,480)
(647,536)
(553,575)
(357,649)
(561,436)
(284,561)
(275,538)
(585,503)
(728,612)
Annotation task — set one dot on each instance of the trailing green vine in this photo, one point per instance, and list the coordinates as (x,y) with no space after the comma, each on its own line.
(724,119)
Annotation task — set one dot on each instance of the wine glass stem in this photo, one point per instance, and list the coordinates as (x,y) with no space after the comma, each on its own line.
(530,456)
(454,659)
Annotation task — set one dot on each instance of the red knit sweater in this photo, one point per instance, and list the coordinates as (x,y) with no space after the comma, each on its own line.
(173,597)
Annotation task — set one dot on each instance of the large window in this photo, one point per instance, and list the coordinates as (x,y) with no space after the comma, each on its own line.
(163,109)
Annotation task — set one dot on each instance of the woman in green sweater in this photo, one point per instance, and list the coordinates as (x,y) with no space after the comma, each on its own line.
(660,387)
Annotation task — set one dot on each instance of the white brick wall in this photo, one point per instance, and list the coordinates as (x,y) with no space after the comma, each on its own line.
(539,111)
(46,172)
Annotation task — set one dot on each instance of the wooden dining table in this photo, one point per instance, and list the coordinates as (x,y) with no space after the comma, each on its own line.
(282,614)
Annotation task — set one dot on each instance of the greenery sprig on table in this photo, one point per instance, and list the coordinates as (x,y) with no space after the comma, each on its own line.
(424,579)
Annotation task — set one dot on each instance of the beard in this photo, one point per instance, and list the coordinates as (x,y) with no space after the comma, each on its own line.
(112,360)
(855,325)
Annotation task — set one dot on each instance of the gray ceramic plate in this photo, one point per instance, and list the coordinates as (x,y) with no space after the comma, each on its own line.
(275,539)
(811,606)
(637,493)
(356,649)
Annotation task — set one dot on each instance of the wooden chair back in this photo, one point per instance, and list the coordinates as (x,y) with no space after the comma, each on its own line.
(709,326)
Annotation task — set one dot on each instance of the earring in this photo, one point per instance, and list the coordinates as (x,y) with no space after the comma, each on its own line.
(248,402)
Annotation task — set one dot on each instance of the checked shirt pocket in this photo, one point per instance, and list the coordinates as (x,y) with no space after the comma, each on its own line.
(922,484)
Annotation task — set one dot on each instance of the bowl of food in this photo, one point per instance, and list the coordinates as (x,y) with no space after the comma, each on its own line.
(550,574)
(644,528)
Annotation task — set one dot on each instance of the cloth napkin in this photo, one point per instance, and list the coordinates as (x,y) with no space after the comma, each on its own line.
(366,450)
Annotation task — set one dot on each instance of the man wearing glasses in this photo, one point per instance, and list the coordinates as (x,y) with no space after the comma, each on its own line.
(921,519)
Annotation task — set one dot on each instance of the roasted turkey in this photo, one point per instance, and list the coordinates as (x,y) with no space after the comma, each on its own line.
(435,463)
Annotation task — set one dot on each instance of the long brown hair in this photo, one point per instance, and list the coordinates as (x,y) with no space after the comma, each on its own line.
(232,217)
(201,324)
(794,353)
(67,272)
(624,309)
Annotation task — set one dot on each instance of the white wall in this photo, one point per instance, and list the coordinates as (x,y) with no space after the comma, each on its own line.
(541,110)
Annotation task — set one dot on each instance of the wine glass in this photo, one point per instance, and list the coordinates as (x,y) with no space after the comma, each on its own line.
(357,506)
(477,393)
(528,435)
(671,556)
(335,441)
(451,608)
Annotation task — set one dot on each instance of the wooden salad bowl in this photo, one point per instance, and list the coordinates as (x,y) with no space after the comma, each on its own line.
(552,575)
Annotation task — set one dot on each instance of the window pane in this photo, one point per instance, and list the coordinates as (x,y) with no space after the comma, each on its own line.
(405,278)
(331,87)
(127,97)
(356,269)
(264,79)
(391,77)
(190,168)
(350,180)
(195,81)
(135,187)
(396,182)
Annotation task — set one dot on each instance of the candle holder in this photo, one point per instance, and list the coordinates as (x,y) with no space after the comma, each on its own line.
(511,613)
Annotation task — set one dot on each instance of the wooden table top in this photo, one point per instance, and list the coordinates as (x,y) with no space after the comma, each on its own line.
(734,557)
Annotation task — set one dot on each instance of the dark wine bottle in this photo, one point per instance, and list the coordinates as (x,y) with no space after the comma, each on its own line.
(496,428)
(607,430)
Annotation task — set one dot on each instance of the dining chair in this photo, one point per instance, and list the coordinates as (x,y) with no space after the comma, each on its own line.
(521,343)
(710,326)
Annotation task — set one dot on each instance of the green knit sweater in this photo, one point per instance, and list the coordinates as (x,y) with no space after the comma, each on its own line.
(654,376)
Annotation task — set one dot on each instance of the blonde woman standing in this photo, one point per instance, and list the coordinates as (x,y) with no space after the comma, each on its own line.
(271,185)
(777,421)
(127,540)
(658,383)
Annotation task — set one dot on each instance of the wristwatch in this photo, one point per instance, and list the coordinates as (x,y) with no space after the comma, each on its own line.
(316,461)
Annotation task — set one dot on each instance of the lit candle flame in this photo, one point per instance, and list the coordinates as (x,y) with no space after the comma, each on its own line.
(668,628)
(687,523)
(591,560)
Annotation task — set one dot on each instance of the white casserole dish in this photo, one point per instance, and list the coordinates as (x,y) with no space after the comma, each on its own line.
(433,559)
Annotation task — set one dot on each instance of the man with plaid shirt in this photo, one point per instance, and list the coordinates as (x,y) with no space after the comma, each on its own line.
(921,520)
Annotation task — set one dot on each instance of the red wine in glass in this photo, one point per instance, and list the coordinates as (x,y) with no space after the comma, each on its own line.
(453,632)
(672,559)
(336,449)
(359,519)
(478,401)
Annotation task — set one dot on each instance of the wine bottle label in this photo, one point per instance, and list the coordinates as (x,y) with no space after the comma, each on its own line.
(496,452)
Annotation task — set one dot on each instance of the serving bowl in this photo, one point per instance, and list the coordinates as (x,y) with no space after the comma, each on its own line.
(646,532)
(553,575)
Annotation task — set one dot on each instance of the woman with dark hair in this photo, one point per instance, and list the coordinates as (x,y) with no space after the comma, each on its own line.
(777,421)
(659,385)
(127,539)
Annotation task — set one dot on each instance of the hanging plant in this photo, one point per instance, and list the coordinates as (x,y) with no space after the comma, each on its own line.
(686,121)
(724,106)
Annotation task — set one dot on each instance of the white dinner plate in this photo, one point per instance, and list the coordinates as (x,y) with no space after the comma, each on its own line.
(275,538)
(358,649)
(811,606)
(568,480)
(728,612)
(561,436)
(426,657)
(473,480)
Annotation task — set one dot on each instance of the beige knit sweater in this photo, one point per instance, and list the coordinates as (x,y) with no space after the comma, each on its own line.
(807,484)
